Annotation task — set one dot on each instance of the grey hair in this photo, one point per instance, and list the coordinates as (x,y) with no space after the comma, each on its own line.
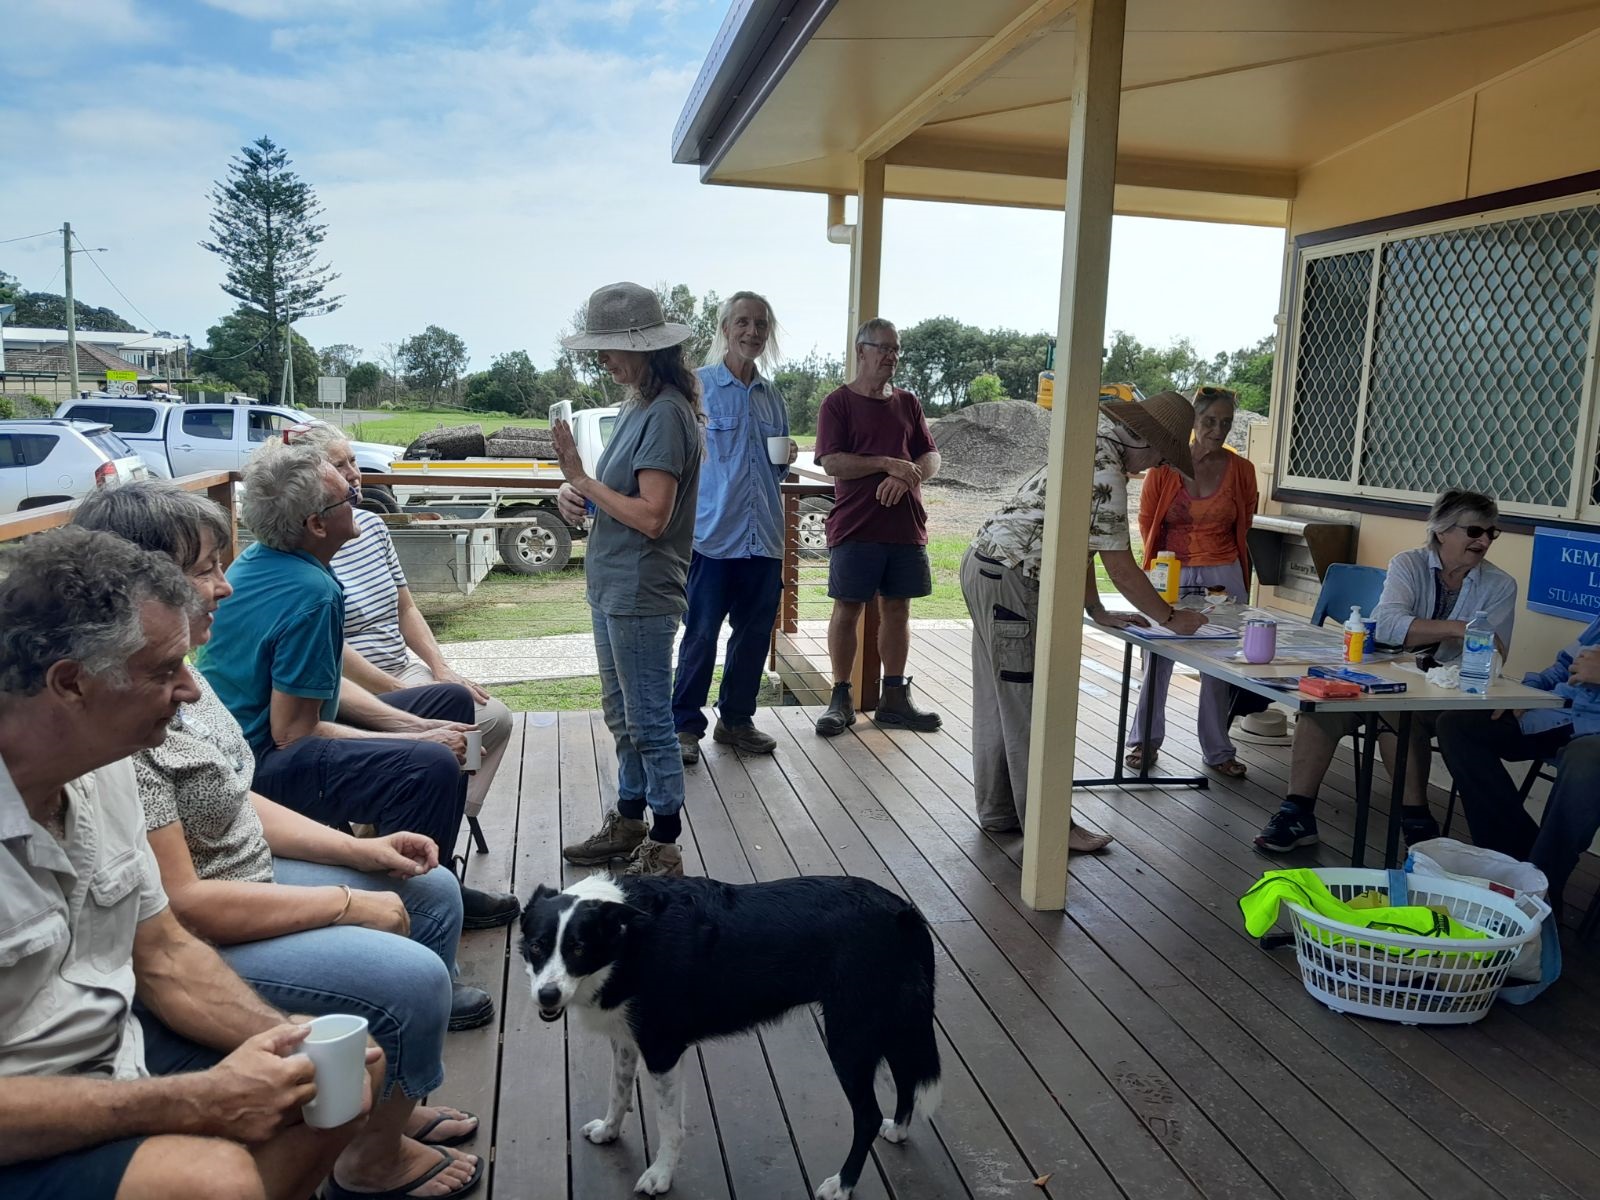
(719,340)
(282,487)
(76,595)
(319,434)
(1205,397)
(1456,503)
(870,329)
(157,515)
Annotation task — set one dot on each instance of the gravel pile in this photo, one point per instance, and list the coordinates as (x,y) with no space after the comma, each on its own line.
(990,446)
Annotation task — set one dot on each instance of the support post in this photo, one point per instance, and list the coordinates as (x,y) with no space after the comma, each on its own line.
(72,314)
(1085,266)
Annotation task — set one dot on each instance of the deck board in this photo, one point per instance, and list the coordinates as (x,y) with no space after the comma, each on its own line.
(1137,1046)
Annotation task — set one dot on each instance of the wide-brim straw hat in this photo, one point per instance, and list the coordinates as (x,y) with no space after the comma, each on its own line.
(1165,420)
(625,316)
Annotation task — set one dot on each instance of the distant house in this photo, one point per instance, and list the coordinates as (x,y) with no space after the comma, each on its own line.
(44,352)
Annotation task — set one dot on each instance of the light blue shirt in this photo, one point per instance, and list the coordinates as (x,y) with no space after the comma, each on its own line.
(1409,592)
(1583,700)
(740,513)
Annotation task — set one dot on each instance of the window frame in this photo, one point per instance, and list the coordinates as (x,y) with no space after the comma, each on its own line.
(1581,504)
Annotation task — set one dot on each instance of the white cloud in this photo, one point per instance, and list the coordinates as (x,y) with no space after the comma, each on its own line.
(489,186)
(296,10)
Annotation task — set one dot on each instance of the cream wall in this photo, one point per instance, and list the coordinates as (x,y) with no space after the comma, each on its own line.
(1534,124)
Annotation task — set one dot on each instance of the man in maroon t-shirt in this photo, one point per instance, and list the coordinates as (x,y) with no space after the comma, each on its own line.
(873,439)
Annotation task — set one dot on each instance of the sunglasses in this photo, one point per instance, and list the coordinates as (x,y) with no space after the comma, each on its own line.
(1474,532)
(352,497)
(1209,391)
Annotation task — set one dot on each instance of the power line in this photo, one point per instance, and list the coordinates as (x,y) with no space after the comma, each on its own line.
(26,236)
(85,251)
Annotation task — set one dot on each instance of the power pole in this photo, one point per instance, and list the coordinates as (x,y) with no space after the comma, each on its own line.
(72,314)
(286,388)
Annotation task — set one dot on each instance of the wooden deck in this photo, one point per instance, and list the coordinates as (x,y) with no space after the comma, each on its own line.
(1139,1045)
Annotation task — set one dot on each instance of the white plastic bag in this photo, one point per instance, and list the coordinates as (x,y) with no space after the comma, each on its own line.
(1495,871)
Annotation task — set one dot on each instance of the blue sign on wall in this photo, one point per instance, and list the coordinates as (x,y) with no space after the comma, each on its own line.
(1565,579)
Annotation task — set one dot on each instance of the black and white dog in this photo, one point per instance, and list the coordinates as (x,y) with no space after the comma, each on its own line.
(661,964)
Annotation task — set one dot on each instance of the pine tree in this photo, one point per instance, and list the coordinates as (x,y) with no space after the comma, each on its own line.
(264,227)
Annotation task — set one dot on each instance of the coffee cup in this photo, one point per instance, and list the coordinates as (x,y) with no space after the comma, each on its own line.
(779,449)
(474,758)
(337,1048)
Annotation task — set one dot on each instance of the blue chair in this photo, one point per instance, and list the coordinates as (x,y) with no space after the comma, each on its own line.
(1347,586)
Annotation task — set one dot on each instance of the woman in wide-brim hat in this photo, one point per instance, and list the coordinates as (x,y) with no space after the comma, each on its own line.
(641,495)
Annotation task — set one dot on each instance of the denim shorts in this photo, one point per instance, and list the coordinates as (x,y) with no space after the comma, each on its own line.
(858,571)
(92,1174)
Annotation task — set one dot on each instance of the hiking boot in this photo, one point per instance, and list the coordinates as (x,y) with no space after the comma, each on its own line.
(841,712)
(618,838)
(896,709)
(1418,825)
(689,747)
(655,858)
(1289,828)
(744,737)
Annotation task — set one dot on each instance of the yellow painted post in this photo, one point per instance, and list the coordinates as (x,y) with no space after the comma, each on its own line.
(866,269)
(1085,265)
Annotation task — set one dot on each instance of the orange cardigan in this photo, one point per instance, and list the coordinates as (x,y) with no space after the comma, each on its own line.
(1161,487)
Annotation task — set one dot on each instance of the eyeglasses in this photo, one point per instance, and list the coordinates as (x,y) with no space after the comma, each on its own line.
(1474,532)
(886,347)
(352,497)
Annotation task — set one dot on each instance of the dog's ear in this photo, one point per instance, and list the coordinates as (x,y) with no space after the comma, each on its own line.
(539,893)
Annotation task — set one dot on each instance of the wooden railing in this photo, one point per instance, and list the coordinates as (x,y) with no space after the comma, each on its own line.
(216,484)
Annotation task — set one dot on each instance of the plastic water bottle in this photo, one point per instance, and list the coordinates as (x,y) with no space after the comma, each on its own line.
(1355,637)
(1477,654)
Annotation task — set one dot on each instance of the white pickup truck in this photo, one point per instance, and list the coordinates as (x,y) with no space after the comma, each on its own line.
(544,542)
(183,439)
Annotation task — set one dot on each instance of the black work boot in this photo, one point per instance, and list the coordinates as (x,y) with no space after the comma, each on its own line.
(895,708)
(841,712)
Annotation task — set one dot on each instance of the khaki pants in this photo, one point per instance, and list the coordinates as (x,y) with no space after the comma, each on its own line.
(493,717)
(1005,615)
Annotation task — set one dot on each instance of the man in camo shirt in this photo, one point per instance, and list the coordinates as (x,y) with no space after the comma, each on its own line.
(1000,581)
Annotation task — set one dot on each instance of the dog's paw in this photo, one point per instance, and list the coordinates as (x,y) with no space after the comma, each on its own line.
(832,1189)
(599,1132)
(890,1132)
(655,1181)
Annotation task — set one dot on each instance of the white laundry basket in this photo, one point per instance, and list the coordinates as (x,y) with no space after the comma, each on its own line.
(1402,977)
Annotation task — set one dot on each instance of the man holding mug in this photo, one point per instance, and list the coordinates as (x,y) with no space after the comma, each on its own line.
(736,569)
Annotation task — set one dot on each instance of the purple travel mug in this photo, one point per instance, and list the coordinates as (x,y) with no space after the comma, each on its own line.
(1260,639)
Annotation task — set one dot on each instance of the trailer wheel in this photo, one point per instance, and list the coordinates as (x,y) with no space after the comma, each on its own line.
(544,544)
(813,533)
(375,498)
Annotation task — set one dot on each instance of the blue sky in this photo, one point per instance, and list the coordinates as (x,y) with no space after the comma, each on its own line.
(484,165)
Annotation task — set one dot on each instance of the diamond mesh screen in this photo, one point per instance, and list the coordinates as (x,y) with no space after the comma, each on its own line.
(1327,383)
(1477,364)
(1479,355)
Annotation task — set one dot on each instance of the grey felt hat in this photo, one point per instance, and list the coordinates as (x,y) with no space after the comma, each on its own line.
(625,316)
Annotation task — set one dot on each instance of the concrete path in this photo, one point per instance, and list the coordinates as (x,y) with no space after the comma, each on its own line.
(571,655)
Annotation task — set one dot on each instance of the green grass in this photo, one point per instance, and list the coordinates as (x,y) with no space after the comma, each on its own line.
(581,692)
(402,428)
(511,606)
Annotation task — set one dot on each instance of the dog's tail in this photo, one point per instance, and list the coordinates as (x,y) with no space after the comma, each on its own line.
(913,1051)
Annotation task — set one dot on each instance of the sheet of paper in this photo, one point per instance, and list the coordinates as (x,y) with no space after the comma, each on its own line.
(1204,633)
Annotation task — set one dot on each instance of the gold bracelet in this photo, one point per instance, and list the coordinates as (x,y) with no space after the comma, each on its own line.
(348,896)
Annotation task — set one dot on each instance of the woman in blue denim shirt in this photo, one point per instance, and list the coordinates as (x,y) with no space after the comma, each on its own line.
(1477,745)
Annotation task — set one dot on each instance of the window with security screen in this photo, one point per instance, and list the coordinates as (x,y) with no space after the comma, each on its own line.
(1451,356)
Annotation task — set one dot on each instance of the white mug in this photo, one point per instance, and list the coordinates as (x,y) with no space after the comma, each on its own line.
(779,449)
(474,759)
(337,1048)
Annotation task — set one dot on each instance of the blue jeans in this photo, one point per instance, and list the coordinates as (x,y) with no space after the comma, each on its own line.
(400,985)
(745,592)
(398,784)
(635,656)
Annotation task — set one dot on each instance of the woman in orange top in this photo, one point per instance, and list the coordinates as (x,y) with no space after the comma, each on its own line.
(1203,521)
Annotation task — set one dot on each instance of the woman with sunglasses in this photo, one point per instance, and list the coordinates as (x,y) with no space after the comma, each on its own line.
(1203,518)
(1429,595)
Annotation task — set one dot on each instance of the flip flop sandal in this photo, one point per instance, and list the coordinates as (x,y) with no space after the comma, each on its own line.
(1233,768)
(422,1134)
(1134,759)
(334,1190)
